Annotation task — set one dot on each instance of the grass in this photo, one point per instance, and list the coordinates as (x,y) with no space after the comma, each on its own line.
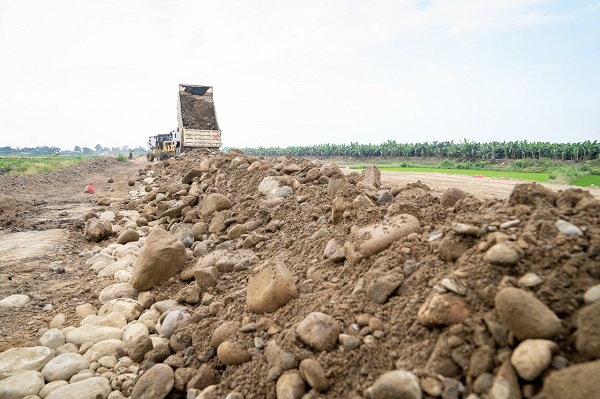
(586,181)
(539,177)
(37,165)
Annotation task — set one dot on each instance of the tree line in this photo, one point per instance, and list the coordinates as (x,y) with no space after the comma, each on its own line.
(77,150)
(464,150)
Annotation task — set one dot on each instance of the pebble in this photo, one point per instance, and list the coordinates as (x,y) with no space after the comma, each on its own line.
(509,224)
(20,385)
(575,382)
(312,372)
(431,386)
(51,386)
(532,357)
(592,294)
(396,384)
(530,280)
(233,353)
(349,342)
(172,321)
(14,301)
(465,229)
(290,386)
(525,315)
(117,290)
(157,382)
(502,254)
(223,332)
(319,331)
(567,228)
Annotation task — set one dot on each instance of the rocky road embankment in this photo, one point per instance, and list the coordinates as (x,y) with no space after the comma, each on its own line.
(228,276)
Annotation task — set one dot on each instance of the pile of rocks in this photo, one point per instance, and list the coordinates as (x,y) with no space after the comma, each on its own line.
(240,277)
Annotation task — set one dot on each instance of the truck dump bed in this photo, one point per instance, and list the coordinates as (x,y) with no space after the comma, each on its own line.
(197,117)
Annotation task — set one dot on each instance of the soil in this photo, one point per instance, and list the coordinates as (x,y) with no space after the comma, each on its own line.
(43,251)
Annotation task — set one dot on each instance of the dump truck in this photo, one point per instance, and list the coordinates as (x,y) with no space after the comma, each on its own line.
(197,119)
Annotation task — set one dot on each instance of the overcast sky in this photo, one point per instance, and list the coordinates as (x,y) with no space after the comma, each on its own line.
(83,72)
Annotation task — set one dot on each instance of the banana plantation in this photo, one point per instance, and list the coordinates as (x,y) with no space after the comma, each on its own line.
(465,150)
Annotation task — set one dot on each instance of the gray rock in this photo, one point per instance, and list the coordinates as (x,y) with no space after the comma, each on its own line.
(525,315)
(20,385)
(107,216)
(506,383)
(64,366)
(465,229)
(14,301)
(89,388)
(530,280)
(271,183)
(53,338)
(207,276)
(172,320)
(156,383)
(397,384)
(567,228)
(532,357)
(382,287)
(279,358)
(161,258)
(271,288)
(17,360)
(319,331)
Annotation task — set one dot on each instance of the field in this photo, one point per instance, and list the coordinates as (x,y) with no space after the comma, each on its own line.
(38,165)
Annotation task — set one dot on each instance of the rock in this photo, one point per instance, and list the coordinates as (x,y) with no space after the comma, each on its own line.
(465,229)
(442,310)
(189,294)
(109,320)
(525,315)
(530,280)
(118,290)
(206,277)
(568,229)
(93,334)
(129,235)
(592,294)
(213,203)
(57,321)
(431,386)
(126,307)
(349,342)
(53,338)
(451,196)
(161,258)
(189,177)
(64,366)
(205,377)
(271,288)
(270,185)
(319,331)
(383,286)
(502,254)
(290,386)
(186,236)
(576,382)
(14,301)
(156,383)
(279,358)
(17,360)
(89,388)
(233,353)
(137,348)
(371,240)
(372,176)
(396,384)
(223,332)
(20,385)
(329,170)
(85,310)
(291,168)
(107,216)
(532,357)
(312,372)
(96,230)
(506,383)
(103,348)
(172,320)
(587,336)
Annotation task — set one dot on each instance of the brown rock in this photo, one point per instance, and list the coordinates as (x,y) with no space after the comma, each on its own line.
(506,383)
(213,203)
(312,372)
(319,331)
(271,288)
(587,336)
(576,382)
(205,377)
(372,176)
(442,310)
(290,386)
(161,258)
(96,230)
(451,196)
(223,332)
(128,235)
(233,353)
(157,382)
(189,177)
(137,349)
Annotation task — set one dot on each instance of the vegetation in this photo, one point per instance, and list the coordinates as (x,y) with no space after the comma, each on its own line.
(37,165)
(77,150)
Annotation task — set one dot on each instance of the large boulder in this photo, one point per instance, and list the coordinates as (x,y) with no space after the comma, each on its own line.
(271,288)
(161,258)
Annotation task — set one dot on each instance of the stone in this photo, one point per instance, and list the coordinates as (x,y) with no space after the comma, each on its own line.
(126,307)
(372,176)
(57,321)
(214,203)
(223,332)
(20,385)
(136,348)
(568,229)
(109,320)
(451,196)
(329,170)
(579,381)
(319,331)
(129,235)
(233,353)
(204,377)
(396,384)
(93,334)
(279,358)
(382,287)
(172,321)
(17,360)
(442,310)
(14,301)
(312,372)
(155,383)
(271,184)
(161,258)
(53,338)
(349,342)
(532,357)
(530,280)
(85,310)
(525,315)
(103,348)
(505,384)
(189,294)
(189,176)
(51,386)
(587,336)
(373,239)
(118,290)
(206,277)
(270,288)
(107,216)
(89,388)
(64,366)
(592,294)
(465,229)
(502,254)
(97,230)
(290,386)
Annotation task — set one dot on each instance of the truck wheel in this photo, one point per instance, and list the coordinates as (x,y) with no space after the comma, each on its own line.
(150,157)
(164,156)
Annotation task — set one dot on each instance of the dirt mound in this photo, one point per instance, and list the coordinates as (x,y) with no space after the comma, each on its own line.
(452,301)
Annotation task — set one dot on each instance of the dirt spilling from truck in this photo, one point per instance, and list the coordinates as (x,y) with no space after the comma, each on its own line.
(298,278)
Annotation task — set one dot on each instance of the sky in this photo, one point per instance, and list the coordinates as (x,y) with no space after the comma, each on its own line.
(88,72)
